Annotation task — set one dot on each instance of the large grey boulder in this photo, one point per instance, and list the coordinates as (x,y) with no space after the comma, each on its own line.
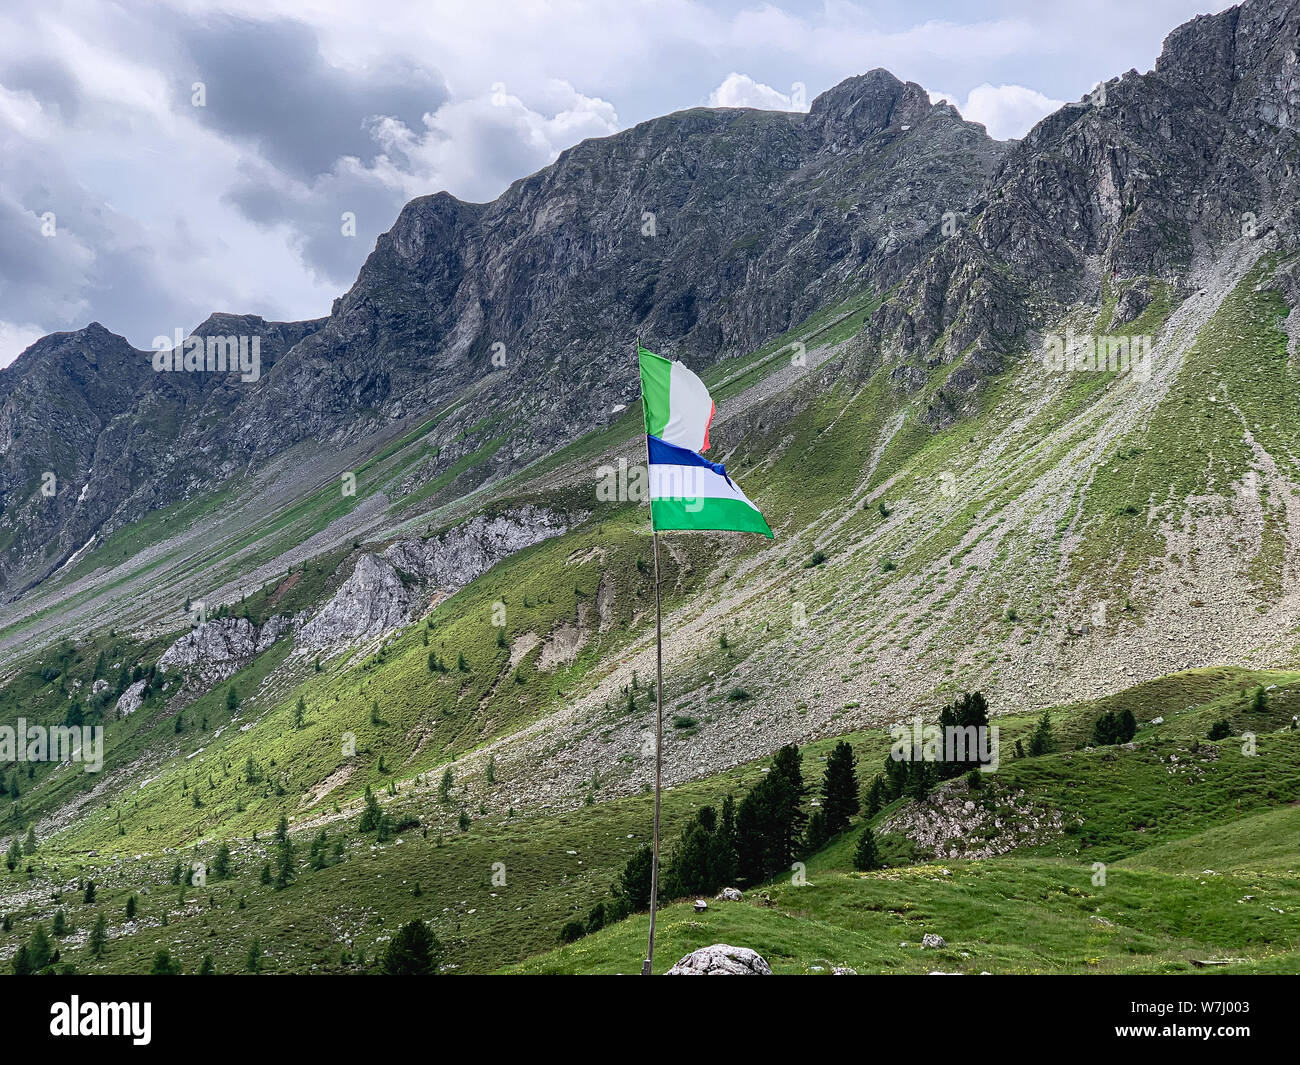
(389,590)
(369,603)
(131,700)
(721,960)
(222,647)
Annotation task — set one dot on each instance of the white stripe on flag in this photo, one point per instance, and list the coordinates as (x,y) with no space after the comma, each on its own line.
(690,409)
(690,482)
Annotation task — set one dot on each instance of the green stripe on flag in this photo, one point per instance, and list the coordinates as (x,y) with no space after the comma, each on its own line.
(656,372)
(707,515)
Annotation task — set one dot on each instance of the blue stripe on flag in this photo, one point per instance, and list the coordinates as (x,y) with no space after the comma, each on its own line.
(664,453)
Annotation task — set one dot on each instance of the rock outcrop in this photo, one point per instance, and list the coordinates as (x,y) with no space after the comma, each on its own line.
(222,647)
(721,960)
(387,590)
(707,232)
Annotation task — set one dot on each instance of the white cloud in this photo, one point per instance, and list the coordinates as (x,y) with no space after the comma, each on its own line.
(15,339)
(1004,110)
(166,214)
(740,90)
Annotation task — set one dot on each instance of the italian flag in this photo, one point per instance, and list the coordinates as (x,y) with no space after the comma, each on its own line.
(687,491)
(678,408)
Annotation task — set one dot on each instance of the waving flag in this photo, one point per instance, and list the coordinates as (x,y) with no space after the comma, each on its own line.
(687,491)
(678,408)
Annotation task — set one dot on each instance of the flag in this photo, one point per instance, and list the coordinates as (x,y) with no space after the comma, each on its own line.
(678,408)
(687,491)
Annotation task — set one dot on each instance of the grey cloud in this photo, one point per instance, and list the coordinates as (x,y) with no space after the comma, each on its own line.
(314,217)
(49,80)
(268,82)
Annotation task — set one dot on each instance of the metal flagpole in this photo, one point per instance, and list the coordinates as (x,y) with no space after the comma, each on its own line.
(647,968)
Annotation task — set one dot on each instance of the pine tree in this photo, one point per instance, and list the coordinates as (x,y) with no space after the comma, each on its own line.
(89,895)
(253,959)
(284,871)
(876,796)
(282,829)
(318,852)
(895,778)
(702,861)
(1042,742)
(130,908)
(39,951)
(207,968)
(60,925)
(232,699)
(770,821)
(221,863)
(444,788)
(920,779)
(21,963)
(866,856)
(817,834)
(29,844)
(371,815)
(14,855)
(413,951)
(632,888)
(299,712)
(98,937)
(840,789)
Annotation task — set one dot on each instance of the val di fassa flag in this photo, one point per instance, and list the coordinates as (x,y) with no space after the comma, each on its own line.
(678,408)
(687,491)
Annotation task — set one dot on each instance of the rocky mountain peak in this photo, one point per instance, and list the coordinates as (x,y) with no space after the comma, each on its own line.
(860,107)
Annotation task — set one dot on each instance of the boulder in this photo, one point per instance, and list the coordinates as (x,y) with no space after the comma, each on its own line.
(932,942)
(721,960)
(131,699)
(730,894)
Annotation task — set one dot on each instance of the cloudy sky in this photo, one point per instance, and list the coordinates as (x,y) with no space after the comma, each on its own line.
(162,160)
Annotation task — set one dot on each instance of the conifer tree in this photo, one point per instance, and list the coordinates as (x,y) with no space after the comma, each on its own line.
(413,951)
(98,941)
(221,863)
(39,951)
(866,856)
(840,789)
(876,796)
(1042,742)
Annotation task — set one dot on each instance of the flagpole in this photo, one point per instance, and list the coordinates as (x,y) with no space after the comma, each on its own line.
(648,967)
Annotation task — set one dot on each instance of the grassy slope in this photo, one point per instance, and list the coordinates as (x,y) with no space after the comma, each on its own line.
(1031,911)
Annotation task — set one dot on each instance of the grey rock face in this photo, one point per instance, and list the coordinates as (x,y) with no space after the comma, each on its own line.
(705,232)
(369,603)
(386,591)
(456,557)
(119,438)
(721,960)
(131,700)
(1122,185)
(220,648)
